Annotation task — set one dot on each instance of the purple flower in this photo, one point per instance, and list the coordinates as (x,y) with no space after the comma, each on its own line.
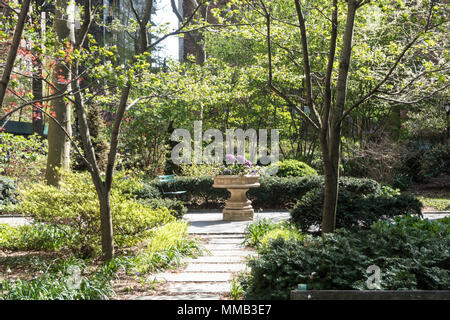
(230,158)
(248,163)
(241,159)
(138,274)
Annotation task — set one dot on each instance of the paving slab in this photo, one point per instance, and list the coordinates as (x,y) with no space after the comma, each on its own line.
(194,277)
(228,253)
(182,297)
(182,287)
(221,236)
(223,246)
(14,220)
(237,241)
(217,259)
(215,267)
(205,223)
(435,215)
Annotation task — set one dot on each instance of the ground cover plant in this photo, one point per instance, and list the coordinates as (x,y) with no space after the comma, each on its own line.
(51,272)
(412,254)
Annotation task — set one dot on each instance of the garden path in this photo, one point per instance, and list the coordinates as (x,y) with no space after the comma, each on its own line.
(210,276)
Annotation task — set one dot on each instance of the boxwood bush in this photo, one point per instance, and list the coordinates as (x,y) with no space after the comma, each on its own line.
(411,253)
(294,168)
(354,210)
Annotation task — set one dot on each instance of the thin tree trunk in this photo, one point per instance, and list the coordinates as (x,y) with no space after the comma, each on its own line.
(106,225)
(12,52)
(331,136)
(38,117)
(330,150)
(58,143)
(37,83)
(103,192)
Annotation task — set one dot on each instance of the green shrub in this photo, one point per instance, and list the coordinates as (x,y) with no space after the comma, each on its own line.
(411,253)
(8,194)
(259,233)
(355,209)
(424,160)
(39,236)
(22,158)
(279,232)
(282,191)
(436,161)
(176,207)
(75,205)
(197,188)
(148,191)
(167,236)
(360,185)
(294,168)
(402,181)
(254,232)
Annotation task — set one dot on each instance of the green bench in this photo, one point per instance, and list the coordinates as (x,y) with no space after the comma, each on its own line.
(164,182)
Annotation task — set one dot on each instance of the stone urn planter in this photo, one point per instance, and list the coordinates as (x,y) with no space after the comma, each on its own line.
(238,207)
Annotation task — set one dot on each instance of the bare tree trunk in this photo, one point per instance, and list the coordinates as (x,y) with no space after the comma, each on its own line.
(12,52)
(330,151)
(331,138)
(38,117)
(106,225)
(37,83)
(58,143)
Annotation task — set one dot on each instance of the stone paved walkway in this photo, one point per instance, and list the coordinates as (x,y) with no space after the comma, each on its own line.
(207,277)
(210,276)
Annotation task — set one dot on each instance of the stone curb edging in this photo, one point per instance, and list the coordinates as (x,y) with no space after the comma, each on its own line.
(370,295)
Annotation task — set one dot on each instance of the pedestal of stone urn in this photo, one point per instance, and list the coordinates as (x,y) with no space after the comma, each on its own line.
(238,207)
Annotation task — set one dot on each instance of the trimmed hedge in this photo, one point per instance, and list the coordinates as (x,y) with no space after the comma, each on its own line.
(355,210)
(273,191)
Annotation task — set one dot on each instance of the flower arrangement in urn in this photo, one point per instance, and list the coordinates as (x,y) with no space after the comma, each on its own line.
(237,176)
(238,166)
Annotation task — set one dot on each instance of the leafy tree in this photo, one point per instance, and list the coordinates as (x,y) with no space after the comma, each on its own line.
(327,60)
(107,82)
(12,52)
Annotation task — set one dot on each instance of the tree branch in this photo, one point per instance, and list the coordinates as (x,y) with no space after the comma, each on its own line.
(391,70)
